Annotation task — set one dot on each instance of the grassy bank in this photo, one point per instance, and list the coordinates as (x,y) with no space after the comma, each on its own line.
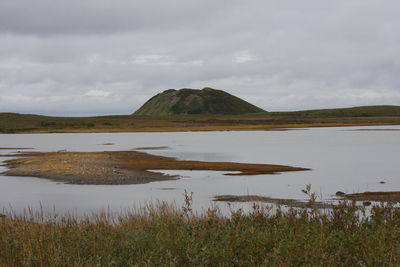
(167,236)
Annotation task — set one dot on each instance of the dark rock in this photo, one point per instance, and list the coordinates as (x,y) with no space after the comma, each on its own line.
(340,193)
(367,203)
(382,182)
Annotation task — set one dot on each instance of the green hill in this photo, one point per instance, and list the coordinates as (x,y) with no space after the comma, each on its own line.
(363,111)
(194,101)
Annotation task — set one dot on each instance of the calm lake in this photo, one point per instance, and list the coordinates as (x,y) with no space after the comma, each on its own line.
(349,159)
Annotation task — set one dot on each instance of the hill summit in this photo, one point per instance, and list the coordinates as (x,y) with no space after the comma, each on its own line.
(196,101)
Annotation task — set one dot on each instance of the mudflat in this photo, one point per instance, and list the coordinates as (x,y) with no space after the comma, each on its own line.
(121,167)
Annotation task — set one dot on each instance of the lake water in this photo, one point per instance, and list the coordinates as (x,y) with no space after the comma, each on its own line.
(349,159)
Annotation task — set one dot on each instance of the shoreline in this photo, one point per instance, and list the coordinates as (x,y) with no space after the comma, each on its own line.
(283,127)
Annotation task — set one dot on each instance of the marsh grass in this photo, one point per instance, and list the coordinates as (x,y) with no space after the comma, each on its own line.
(163,234)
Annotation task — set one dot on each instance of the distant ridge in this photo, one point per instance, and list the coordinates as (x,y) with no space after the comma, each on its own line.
(196,101)
(361,111)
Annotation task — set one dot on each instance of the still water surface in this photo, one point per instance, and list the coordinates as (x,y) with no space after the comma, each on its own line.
(345,158)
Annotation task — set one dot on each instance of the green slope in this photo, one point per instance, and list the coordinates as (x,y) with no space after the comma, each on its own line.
(193,101)
(14,122)
(363,111)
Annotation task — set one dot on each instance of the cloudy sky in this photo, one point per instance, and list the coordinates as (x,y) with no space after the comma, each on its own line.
(93,57)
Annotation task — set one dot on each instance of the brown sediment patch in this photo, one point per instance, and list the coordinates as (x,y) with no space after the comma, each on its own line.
(10,155)
(15,148)
(388,196)
(278,201)
(167,188)
(121,167)
(151,148)
(377,129)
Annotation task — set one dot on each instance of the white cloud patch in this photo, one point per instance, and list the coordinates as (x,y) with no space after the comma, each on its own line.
(97,93)
(152,59)
(197,62)
(243,57)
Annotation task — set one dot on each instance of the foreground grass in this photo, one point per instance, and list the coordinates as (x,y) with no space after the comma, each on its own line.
(163,235)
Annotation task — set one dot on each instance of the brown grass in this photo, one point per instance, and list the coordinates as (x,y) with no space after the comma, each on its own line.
(121,167)
(391,196)
(166,236)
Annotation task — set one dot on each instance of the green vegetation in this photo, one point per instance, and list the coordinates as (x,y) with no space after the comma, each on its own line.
(14,122)
(368,115)
(193,101)
(166,236)
(364,111)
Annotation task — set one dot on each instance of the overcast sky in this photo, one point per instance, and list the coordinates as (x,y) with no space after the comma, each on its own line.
(94,57)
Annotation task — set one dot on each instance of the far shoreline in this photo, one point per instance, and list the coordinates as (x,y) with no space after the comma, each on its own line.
(200,128)
(263,121)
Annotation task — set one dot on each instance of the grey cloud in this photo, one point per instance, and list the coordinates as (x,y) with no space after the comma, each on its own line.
(47,17)
(100,57)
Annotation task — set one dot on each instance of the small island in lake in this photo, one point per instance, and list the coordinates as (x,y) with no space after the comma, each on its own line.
(121,167)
